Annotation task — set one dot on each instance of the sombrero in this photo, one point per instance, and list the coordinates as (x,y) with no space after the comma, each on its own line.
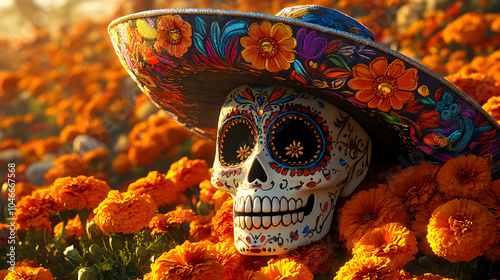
(188,60)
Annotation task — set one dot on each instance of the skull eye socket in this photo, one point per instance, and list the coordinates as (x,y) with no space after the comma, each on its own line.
(295,140)
(236,142)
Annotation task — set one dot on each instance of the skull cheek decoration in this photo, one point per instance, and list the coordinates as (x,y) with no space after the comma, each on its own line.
(285,156)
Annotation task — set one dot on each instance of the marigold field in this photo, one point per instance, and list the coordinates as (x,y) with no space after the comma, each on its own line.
(109,187)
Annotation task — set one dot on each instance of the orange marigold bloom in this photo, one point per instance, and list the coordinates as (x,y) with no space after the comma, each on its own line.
(288,269)
(161,189)
(229,257)
(461,230)
(477,85)
(79,192)
(23,188)
(468,29)
(203,149)
(466,176)
(223,222)
(174,35)
(121,164)
(201,228)
(421,220)
(35,210)
(392,241)
(126,212)
(430,276)
(414,185)
(269,46)
(367,267)
(26,272)
(316,257)
(99,153)
(187,261)
(367,210)
(384,87)
(187,173)
(207,190)
(162,222)
(143,152)
(10,144)
(47,146)
(73,228)
(67,165)
(492,106)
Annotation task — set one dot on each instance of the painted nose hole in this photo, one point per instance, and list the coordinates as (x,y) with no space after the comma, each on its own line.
(257,172)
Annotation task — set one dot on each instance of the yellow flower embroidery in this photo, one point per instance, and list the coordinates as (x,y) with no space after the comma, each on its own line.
(295,150)
(243,152)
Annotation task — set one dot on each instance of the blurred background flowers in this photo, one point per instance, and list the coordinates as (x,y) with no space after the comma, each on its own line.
(107,185)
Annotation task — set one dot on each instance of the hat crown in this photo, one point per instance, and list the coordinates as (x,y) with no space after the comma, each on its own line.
(327,17)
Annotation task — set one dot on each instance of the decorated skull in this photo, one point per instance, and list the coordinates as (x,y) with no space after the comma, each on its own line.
(285,156)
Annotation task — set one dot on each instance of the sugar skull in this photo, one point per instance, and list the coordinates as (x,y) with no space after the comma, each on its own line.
(285,156)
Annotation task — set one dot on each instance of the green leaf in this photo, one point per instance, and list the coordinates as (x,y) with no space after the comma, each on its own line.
(428,101)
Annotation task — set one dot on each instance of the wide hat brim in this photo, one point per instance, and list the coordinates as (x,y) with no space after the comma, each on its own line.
(188,60)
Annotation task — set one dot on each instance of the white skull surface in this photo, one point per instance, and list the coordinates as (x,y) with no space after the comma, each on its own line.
(285,156)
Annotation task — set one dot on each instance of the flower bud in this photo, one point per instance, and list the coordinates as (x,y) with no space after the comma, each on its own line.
(204,208)
(86,273)
(116,243)
(94,233)
(96,250)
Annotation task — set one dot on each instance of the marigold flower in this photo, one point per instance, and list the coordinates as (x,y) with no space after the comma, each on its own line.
(48,145)
(10,143)
(223,222)
(203,149)
(468,29)
(286,269)
(367,210)
(23,188)
(461,230)
(466,176)
(121,164)
(207,190)
(316,257)
(187,173)
(67,165)
(26,272)
(414,185)
(162,222)
(99,153)
(186,261)
(161,189)
(367,267)
(34,211)
(174,35)
(74,228)
(228,256)
(269,46)
(124,212)
(384,87)
(201,228)
(143,152)
(79,192)
(430,276)
(477,85)
(421,220)
(392,241)
(492,106)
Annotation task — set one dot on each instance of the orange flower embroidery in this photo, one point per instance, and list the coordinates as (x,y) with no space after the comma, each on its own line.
(461,230)
(269,46)
(384,87)
(465,176)
(174,35)
(392,241)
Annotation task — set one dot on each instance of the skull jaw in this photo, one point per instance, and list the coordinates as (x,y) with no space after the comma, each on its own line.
(283,232)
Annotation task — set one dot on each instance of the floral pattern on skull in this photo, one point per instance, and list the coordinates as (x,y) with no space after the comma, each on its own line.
(285,156)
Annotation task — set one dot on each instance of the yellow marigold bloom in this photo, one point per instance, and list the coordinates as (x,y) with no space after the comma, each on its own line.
(461,230)
(229,257)
(466,176)
(367,210)
(492,106)
(187,261)
(414,185)
(26,272)
(67,165)
(477,85)
(161,189)
(80,192)
(34,211)
(392,241)
(468,29)
(316,257)
(73,228)
(223,222)
(288,269)
(162,222)
(187,173)
(124,212)
(367,267)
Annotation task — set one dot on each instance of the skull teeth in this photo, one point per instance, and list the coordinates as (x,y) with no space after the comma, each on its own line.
(256,212)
